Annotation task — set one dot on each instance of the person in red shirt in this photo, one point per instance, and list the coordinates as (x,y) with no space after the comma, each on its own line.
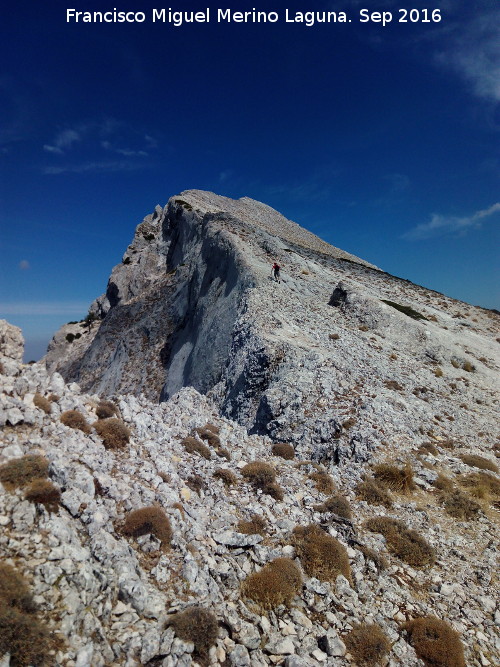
(276,272)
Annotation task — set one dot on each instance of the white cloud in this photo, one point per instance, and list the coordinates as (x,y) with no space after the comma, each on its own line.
(440,225)
(93,167)
(52,149)
(45,308)
(63,141)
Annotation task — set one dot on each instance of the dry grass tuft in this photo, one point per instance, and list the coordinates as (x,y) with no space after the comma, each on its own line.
(370,554)
(262,476)
(371,492)
(197,625)
(277,583)
(113,432)
(44,492)
(53,398)
(428,448)
(223,453)
(208,435)
(17,473)
(42,403)
(435,642)
(22,635)
(194,446)
(323,482)
(227,476)
(404,543)
(484,486)
(106,410)
(481,462)
(256,526)
(149,520)
(284,450)
(443,483)
(76,420)
(336,504)
(321,555)
(461,506)
(196,483)
(394,478)
(367,644)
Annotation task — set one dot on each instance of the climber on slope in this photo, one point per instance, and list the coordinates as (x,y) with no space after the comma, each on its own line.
(275,271)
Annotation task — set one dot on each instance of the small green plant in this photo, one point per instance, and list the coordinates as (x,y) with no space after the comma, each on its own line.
(105,410)
(256,526)
(394,478)
(277,583)
(323,482)
(70,337)
(283,450)
(197,625)
(76,420)
(336,504)
(406,310)
(149,520)
(481,462)
(113,432)
(44,492)
(371,492)
(435,642)
(20,472)
(406,544)
(367,644)
(321,555)
(42,403)
(194,446)
(227,476)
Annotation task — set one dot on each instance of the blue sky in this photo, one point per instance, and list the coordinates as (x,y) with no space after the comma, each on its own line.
(383,140)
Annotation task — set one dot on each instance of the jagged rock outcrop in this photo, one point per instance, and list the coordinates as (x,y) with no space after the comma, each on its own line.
(193,304)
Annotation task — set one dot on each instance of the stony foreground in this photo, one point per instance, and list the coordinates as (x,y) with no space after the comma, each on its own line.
(109,597)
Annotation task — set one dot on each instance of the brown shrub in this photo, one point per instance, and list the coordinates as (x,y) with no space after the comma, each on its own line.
(76,420)
(483,485)
(44,492)
(227,476)
(336,504)
(149,520)
(467,366)
(223,453)
(370,491)
(263,476)
(443,483)
(367,644)
(53,398)
(14,591)
(435,642)
(461,506)
(42,403)
(404,543)
(208,435)
(349,423)
(24,637)
(194,446)
(394,478)
(113,432)
(20,472)
(323,482)
(196,483)
(428,448)
(393,384)
(479,462)
(438,372)
(321,555)
(370,554)
(277,583)
(256,526)
(212,427)
(197,625)
(106,409)
(284,450)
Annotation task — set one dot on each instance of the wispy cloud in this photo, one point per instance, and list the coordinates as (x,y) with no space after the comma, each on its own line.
(63,141)
(94,167)
(44,308)
(440,225)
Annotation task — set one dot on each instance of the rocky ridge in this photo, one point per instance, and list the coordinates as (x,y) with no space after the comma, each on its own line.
(109,597)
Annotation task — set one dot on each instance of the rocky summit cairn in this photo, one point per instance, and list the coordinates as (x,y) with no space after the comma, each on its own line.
(216,469)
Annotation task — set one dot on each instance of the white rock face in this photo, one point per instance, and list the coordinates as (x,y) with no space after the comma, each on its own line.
(11,347)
